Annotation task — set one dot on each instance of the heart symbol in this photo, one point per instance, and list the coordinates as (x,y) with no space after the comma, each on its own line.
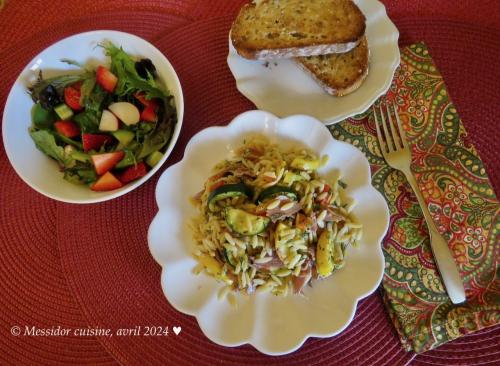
(177,330)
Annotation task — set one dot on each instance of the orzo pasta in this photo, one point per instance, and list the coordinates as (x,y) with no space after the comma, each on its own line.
(268,222)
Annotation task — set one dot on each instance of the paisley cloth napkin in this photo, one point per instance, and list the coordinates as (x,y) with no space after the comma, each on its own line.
(458,193)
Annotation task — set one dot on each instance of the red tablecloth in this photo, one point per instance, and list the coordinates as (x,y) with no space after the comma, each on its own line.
(89,266)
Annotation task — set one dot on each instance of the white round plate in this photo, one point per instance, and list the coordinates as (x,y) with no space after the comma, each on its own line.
(37,170)
(273,325)
(283,88)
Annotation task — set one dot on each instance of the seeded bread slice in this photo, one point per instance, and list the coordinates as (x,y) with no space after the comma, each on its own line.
(339,74)
(270,29)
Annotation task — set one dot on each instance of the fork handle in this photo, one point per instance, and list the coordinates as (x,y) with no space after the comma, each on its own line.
(442,254)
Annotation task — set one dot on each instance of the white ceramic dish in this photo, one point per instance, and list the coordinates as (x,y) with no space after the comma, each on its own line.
(36,169)
(283,88)
(273,325)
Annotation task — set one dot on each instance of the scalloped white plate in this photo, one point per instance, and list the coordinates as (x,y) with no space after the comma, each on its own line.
(273,325)
(284,89)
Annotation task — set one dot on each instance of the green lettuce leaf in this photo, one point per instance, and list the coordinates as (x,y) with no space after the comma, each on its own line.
(80,176)
(46,143)
(58,82)
(129,82)
(157,139)
(66,140)
(73,63)
(88,121)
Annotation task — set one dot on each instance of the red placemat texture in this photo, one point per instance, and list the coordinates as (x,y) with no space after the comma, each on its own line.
(77,266)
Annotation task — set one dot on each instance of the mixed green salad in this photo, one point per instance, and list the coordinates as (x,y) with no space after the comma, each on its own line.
(104,127)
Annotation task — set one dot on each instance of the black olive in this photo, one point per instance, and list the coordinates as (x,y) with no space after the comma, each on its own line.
(49,98)
(143,66)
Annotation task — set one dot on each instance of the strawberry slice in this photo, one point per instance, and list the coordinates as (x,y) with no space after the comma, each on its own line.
(106,79)
(67,128)
(107,182)
(107,161)
(149,114)
(94,142)
(133,173)
(141,97)
(72,96)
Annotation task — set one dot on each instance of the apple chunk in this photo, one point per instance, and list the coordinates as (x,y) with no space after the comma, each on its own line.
(126,112)
(109,122)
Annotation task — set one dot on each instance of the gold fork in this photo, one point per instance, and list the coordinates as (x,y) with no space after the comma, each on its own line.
(396,152)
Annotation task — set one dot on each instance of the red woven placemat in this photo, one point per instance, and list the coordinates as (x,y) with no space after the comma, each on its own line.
(198,53)
(109,279)
(33,288)
(21,20)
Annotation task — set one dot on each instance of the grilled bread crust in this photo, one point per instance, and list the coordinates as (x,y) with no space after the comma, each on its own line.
(339,74)
(292,28)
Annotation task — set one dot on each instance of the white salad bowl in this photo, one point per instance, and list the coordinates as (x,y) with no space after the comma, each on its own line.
(274,325)
(36,169)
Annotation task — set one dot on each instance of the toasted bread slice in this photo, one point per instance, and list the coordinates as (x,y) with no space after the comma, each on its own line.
(291,28)
(339,74)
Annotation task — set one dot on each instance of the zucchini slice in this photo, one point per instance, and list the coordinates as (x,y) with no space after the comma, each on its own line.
(324,254)
(276,191)
(227,191)
(229,258)
(245,223)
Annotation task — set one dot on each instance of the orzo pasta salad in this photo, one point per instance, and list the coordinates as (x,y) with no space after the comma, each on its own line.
(269,222)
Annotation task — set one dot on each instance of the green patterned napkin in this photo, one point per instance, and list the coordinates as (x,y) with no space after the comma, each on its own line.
(460,198)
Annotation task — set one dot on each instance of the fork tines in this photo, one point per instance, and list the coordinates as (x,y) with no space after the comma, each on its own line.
(396,139)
